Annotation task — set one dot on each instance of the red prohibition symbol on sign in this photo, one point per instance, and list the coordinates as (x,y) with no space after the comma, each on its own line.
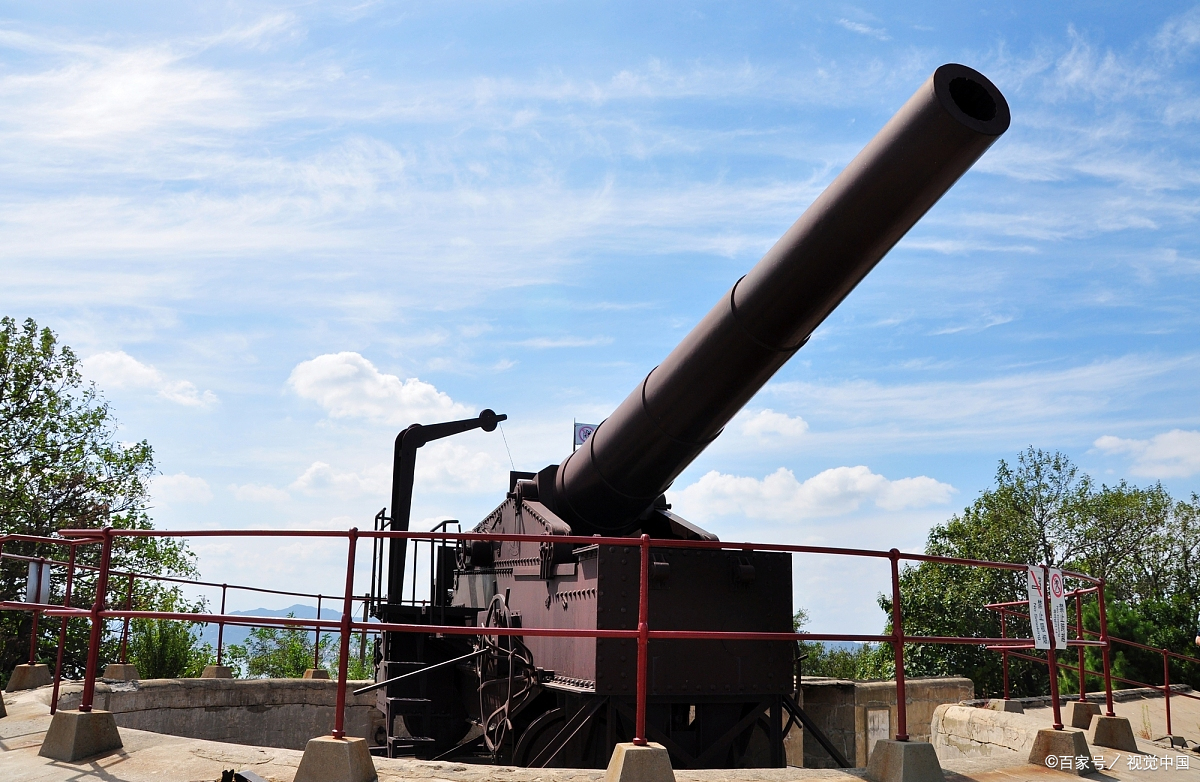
(1056,585)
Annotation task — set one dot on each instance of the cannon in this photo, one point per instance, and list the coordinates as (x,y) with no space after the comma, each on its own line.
(558,701)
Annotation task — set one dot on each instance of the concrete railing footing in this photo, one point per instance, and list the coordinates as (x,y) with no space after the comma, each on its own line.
(1114,733)
(217,672)
(639,763)
(1051,746)
(315,673)
(1080,713)
(904,761)
(327,759)
(121,672)
(29,677)
(76,735)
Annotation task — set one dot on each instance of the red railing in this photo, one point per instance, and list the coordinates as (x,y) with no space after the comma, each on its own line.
(248,620)
(98,613)
(1082,672)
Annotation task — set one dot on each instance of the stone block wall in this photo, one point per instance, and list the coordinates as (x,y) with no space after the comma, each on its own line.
(282,713)
(855,714)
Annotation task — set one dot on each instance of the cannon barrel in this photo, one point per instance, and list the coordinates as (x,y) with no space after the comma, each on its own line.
(684,403)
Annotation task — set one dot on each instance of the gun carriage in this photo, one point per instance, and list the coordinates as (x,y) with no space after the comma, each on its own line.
(538,701)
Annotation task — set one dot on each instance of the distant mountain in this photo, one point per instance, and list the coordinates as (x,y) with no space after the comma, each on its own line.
(235,634)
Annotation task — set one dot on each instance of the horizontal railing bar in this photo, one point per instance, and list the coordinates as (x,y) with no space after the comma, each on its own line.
(579,539)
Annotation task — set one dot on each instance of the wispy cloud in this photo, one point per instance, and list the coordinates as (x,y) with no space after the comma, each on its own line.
(878,33)
(542,343)
(119,370)
(1173,454)
(180,489)
(780,497)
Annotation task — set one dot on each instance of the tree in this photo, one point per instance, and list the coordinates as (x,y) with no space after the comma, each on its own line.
(281,652)
(839,662)
(62,466)
(168,649)
(1042,511)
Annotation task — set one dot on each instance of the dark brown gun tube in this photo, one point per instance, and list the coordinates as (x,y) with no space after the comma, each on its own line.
(683,404)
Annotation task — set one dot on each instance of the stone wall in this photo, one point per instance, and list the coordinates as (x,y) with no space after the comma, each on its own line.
(856,714)
(973,732)
(283,713)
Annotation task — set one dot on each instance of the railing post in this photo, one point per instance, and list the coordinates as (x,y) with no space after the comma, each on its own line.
(62,630)
(1079,634)
(89,675)
(339,717)
(1108,696)
(125,624)
(898,649)
(643,642)
(1004,652)
(37,598)
(221,626)
(1167,689)
(1051,656)
(317,638)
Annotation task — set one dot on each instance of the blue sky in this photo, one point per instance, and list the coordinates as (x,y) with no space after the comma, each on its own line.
(280,233)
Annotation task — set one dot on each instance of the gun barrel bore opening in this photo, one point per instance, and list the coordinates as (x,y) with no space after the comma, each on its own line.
(973,98)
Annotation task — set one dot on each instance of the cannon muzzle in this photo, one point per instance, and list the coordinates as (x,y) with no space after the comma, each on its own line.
(684,403)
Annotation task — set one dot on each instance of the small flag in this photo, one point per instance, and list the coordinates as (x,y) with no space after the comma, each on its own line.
(583,432)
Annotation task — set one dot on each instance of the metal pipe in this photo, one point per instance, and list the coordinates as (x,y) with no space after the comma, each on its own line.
(89,676)
(1004,655)
(1050,656)
(421,671)
(643,643)
(683,404)
(62,631)
(317,638)
(1108,696)
(125,625)
(339,719)
(1167,691)
(37,598)
(898,649)
(221,627)
(1079,633)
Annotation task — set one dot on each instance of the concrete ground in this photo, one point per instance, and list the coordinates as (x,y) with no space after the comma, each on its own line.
(1148,717)
(153,757)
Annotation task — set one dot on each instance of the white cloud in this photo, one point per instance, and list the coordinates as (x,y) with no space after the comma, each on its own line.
(780,497)
(1015,407)
(253,492)
(1173,454)
(448,467)
(767,423)
(349,386)
(118,369)
(322,479)
(565,342)
(180,489)
(858,27)
(442,468)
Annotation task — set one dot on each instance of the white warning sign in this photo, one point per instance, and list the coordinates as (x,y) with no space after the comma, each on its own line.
(1037,608)
(1058,608)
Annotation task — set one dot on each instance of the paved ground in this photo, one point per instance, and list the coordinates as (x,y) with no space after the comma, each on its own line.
(153,757)
(1149,717)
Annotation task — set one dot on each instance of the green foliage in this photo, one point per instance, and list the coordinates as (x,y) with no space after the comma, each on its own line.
(62,466)
(1043,511)
(167,649)
(865,662)
(281,652)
